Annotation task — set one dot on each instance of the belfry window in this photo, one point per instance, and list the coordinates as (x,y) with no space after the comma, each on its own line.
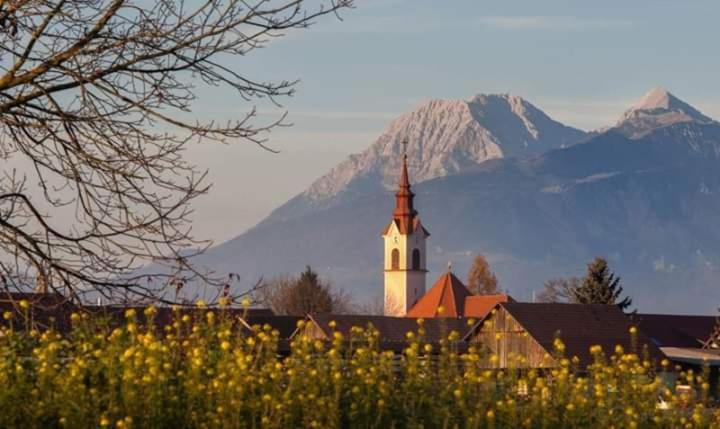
(395,259)
(416,259)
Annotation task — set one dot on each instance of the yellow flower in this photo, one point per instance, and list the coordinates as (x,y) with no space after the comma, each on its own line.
(150,311)
(7,315)
(24,304)
(633,330)
(225,345)
(130,314)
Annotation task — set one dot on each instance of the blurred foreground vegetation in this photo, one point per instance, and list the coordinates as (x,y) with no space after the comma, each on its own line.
(202,371)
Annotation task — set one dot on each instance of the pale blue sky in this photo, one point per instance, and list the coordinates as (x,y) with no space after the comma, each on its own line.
(581,62)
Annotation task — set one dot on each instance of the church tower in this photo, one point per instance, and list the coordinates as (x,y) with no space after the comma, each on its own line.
(405,255)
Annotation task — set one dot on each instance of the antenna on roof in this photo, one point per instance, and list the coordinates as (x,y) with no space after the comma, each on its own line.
(449,266)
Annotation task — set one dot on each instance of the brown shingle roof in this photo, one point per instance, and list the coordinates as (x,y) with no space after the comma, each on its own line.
(285,325)
(669,330)
(392,330)
(579,326)
(46,310)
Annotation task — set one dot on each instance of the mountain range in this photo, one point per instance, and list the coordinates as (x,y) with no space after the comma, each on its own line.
(495,175)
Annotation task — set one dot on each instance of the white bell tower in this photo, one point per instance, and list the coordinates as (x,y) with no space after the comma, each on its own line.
(405,252)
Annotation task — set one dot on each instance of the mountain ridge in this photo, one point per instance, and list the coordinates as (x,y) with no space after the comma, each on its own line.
(646,202)
(447,137)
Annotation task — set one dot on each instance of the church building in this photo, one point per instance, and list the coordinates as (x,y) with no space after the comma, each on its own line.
(405,268)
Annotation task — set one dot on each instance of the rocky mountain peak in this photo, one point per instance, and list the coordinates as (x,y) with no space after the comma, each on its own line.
(657,109)
(447,137)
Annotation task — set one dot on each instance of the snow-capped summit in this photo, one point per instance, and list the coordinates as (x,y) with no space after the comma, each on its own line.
(656,109)
(447,137)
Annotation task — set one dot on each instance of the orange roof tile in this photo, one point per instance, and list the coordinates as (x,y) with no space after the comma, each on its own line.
(480,305)
(448,292)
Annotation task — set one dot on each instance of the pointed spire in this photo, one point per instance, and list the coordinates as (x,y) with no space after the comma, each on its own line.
(404,213)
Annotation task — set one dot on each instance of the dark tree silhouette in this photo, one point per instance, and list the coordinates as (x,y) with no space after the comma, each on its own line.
(600,286)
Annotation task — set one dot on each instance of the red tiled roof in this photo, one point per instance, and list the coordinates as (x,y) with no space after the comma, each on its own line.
(479,306)
(448,292)
(456,300)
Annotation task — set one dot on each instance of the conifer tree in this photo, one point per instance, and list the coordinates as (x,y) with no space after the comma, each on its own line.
(600,286)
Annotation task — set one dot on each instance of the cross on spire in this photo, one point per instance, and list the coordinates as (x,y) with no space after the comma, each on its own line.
(405,145)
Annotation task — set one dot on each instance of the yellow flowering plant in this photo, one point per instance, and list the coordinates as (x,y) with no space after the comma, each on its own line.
(202,371)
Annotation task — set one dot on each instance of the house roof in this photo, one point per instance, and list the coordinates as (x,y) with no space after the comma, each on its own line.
(46,310)
(579,326)
(692,355)
(669,330)
(54,311)
(456,300)
(479,306)
(285,325)
(448,292)
(392,330)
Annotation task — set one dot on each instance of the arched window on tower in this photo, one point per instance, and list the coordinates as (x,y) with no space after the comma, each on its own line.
(395,259)
(416,259)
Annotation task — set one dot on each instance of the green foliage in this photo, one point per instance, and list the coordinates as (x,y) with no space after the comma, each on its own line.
(600,286)
(201,371)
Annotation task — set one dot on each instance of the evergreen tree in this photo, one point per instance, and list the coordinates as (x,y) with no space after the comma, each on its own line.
(481,280)
(600,286)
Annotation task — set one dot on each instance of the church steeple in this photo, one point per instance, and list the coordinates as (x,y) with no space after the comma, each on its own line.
(404,213)
(405,260)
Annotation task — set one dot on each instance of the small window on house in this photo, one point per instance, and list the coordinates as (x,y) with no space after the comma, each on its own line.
(416,259)
(395,259)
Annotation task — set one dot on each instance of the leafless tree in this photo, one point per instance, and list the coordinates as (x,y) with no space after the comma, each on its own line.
(93,96)
(302,295)
(559,289)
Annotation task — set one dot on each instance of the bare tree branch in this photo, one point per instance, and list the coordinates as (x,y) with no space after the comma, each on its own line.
(93,100)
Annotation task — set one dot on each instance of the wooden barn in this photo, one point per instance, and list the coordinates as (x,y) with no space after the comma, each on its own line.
(524,334)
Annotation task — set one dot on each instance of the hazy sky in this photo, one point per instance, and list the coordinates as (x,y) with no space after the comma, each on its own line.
(581,62)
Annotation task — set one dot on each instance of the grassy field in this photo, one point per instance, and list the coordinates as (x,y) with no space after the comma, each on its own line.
(201,372)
